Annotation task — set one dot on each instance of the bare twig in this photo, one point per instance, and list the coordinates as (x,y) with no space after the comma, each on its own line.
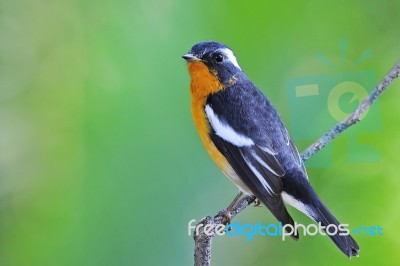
(203,242)
(202,249)
(354,117)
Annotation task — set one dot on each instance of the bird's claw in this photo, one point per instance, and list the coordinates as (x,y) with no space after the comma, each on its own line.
(257,203)
(227,217)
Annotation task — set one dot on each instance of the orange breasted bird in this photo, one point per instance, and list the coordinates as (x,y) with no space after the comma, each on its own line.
(247,139)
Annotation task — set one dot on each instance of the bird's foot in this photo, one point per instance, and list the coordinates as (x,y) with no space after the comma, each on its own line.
(257,203)
(227,217)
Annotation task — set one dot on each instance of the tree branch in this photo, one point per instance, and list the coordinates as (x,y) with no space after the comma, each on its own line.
(202,247)
(203,242)
(354,117)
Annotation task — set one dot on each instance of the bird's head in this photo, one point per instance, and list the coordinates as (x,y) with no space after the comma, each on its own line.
(215,58)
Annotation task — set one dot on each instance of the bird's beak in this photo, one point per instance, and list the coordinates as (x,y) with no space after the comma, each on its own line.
(189,57)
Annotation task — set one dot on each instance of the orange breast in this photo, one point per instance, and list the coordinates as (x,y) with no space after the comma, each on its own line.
(203,83)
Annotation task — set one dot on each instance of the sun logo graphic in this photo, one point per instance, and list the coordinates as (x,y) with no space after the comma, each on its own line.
(318,102)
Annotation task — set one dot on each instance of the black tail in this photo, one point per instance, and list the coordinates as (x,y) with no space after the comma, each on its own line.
(278,209)
(345,243)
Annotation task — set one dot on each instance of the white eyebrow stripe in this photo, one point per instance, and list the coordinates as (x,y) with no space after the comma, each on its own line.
(225,131)
(231,57)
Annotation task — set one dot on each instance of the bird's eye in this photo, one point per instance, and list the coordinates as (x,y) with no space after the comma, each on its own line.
(218,58)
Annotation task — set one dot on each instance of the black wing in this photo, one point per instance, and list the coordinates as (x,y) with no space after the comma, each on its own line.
(260,172)
(247,130)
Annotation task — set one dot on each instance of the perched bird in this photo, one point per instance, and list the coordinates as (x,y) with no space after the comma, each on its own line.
(247,139)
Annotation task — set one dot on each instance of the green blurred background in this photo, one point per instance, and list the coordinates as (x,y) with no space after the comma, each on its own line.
(100,163)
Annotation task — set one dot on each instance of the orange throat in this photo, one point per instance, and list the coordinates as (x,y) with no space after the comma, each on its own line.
(203,81)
